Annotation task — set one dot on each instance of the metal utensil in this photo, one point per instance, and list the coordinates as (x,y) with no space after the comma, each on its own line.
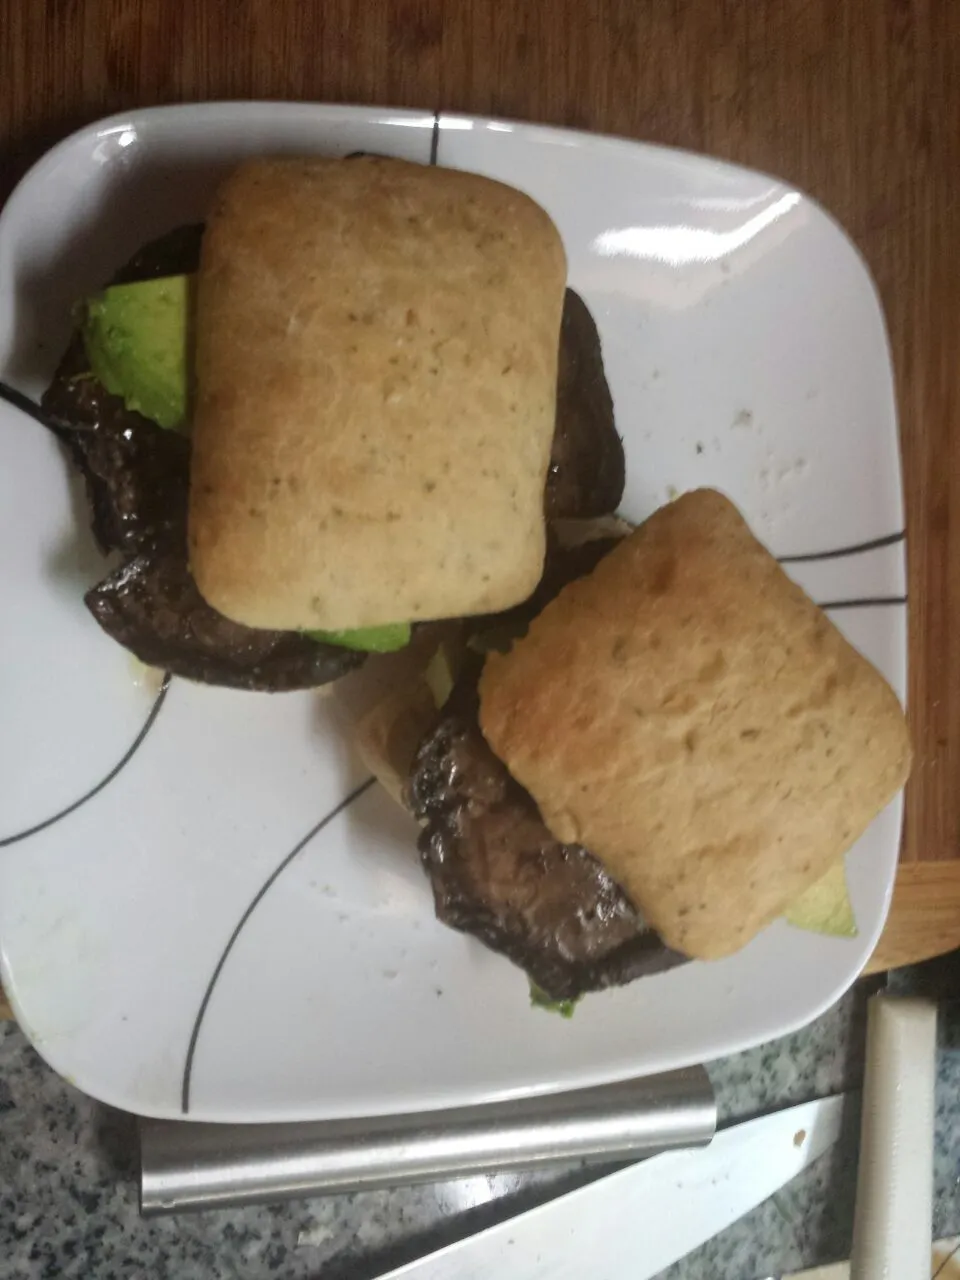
(192,1166)
(631,1224)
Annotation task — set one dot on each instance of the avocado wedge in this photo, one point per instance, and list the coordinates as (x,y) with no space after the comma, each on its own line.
(136,339)
(825,907)
(385,639)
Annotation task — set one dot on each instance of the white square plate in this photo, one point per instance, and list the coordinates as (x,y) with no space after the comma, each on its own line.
(162,947)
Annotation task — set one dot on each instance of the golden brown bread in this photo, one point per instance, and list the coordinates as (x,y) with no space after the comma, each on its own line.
(376,363)
(387,706)
(690,716)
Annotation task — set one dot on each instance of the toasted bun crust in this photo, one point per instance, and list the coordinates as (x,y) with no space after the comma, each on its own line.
(376,364)
(690,716)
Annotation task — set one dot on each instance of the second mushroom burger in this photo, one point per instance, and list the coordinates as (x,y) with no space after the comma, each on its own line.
(679,748)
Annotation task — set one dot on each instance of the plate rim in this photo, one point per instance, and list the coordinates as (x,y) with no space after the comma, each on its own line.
(334,113)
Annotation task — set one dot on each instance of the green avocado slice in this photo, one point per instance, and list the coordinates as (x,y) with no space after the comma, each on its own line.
(825,907)
(386,639)
(136,339)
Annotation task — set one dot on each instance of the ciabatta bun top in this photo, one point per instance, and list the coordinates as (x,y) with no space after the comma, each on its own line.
(693,719)
(376,365)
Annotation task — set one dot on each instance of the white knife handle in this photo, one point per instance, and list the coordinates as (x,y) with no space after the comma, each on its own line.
(892,1224)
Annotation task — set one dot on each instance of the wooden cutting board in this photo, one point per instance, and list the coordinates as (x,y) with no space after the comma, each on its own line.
(924,918)
(857,103)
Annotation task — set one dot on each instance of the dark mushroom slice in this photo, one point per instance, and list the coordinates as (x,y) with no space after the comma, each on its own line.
(151,606)
(587,466)
(499,874)
(173,254)
(136,473)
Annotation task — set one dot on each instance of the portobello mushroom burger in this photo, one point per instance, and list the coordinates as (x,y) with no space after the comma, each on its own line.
(345,406)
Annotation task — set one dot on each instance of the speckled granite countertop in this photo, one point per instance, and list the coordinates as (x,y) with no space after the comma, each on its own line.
(68,1198)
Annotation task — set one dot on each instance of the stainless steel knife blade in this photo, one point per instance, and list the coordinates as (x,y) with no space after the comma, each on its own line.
(631,1224)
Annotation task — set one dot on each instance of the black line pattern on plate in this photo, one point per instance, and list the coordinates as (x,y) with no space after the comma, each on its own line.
(121,764)
(868,602)
(889,540)
(23,403)
(257,899)
(435,138)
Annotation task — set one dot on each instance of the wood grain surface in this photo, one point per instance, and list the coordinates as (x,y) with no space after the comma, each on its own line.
(855,101)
